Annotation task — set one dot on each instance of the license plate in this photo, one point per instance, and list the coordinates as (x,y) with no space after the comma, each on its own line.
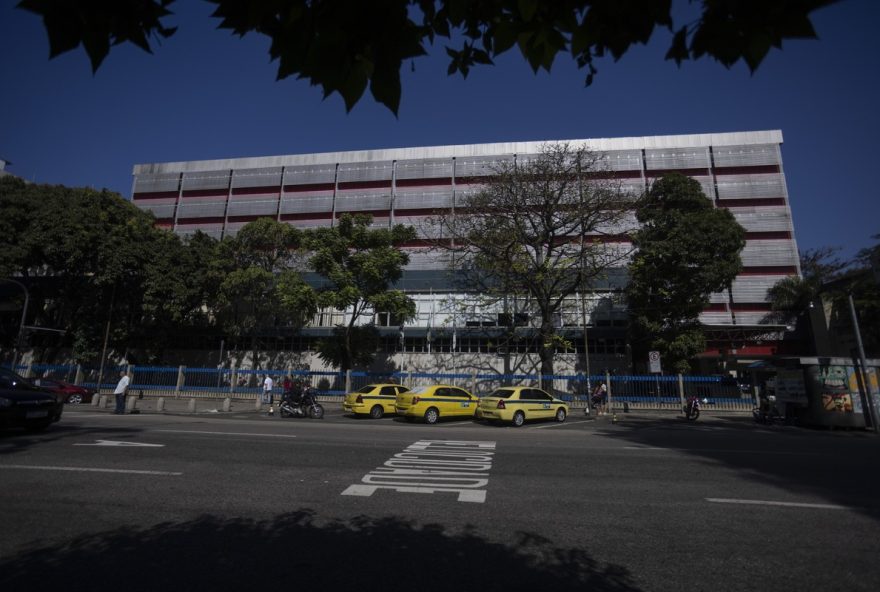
(36,414)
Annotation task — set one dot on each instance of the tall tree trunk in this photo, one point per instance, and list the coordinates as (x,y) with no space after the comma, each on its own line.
(548,348)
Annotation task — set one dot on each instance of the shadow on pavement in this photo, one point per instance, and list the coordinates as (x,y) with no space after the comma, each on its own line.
(292,551)
(840,467)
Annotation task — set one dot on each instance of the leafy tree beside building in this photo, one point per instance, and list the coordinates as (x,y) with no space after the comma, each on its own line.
(686,250)
(359,264)
(262,289)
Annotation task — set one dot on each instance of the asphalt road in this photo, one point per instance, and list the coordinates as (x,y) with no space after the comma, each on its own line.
(243,501)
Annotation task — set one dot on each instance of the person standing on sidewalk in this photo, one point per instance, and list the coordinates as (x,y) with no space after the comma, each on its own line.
(120,391)
(268,397)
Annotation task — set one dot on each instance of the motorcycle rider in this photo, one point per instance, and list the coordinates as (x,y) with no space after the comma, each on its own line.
(692,407)
(296,392)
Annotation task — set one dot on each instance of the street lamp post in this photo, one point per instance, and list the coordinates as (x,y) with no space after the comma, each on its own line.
(23,315)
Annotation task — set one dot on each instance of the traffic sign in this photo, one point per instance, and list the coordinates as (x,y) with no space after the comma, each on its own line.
(654,362)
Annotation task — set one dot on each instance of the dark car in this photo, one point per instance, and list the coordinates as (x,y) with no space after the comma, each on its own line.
(72,393)
(25,405)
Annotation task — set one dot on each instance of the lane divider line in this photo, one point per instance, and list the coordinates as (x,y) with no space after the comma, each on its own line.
(90,470)
(225,433)
(721,500)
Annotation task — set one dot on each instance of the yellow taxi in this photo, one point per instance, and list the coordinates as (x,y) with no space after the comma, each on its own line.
(435,401)
(517,404)
(374,400)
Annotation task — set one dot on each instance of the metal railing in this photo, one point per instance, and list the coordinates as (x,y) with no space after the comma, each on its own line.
(637,392)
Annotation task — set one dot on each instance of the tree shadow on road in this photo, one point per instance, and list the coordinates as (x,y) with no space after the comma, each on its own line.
(294,551)
(807,463)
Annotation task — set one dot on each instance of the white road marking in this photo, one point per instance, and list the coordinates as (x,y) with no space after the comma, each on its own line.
(729,450)
(433,466)
(558,424)
(226,433)
(89,470)
(719,500)
(118,443)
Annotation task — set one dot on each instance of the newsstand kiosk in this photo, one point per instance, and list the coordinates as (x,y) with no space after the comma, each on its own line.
(827,392)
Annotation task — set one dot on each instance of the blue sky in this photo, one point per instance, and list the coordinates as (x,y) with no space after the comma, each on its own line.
(206,94)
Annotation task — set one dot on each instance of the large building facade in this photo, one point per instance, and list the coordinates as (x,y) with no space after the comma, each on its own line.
(740,171)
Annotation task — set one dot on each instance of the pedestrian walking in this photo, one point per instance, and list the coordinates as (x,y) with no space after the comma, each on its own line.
(120,391)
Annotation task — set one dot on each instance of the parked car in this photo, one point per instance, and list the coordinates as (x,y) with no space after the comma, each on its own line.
(25,405)
(73,394)
(435,401)
(374,400)
(517,404)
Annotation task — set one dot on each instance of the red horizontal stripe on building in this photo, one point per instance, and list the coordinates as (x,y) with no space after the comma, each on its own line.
(769,235)
(348,185)
(308,187)
(200,221)
(420,211)
(751,202)
(438,182)
(307,216)
(255,190)
(688,172)
(373,213)
(770,270)
(765,349)
(153,195)
(750,307)
(747,170)
(206,193)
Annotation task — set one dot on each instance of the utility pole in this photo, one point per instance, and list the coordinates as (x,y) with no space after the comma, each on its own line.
(872,411)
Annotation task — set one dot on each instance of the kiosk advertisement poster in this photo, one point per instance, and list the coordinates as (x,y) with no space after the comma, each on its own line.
(789,386)
(840,389)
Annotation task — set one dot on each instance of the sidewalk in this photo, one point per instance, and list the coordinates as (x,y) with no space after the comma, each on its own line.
(176,405)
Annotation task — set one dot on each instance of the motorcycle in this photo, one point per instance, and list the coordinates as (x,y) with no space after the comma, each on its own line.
(692,408)
(306,406)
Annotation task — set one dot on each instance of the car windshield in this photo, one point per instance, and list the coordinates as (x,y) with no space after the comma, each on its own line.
(502,393)
(418,390)
(367,389)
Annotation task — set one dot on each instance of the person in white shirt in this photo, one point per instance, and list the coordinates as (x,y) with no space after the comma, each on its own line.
(120,392)
(268,385)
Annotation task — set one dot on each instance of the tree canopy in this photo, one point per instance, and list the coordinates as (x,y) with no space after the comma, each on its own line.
(344,46)
(825,284)
(686,250)
(538,229)
(262,287)
(360,264)
(85,253)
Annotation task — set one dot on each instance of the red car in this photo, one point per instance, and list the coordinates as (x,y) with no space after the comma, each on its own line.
(71,393)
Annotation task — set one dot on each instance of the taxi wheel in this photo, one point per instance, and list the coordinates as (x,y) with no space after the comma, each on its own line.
(377,412)
(432,416)
(519,418)
(560,415)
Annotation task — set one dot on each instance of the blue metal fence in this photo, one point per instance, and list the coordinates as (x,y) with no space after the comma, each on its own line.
(636,391)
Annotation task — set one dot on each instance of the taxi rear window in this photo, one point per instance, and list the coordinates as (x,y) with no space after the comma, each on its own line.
(503,393)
